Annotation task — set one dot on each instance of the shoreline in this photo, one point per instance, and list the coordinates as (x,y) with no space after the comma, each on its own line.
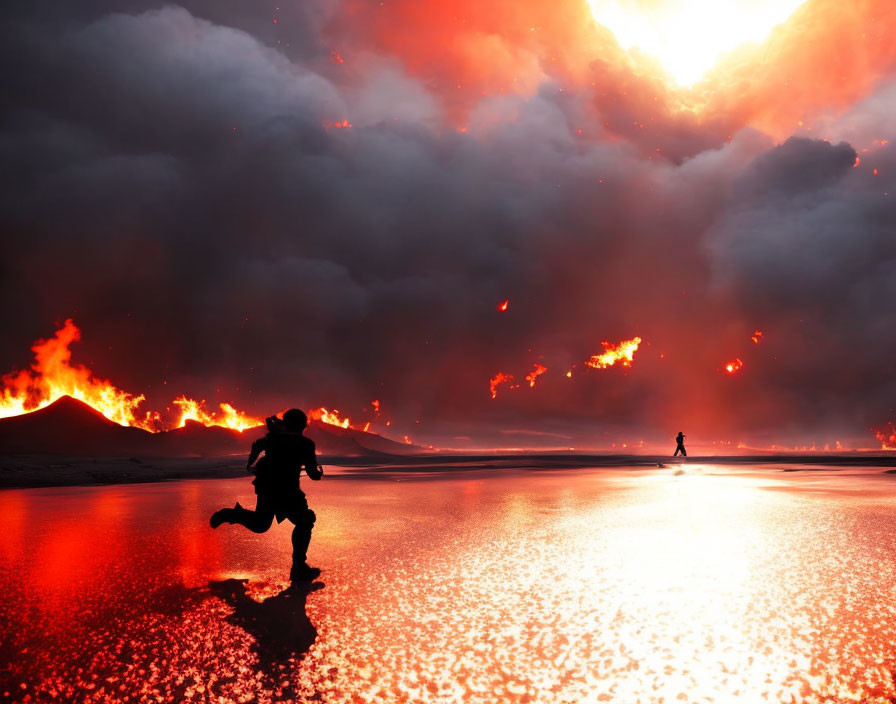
(44,471)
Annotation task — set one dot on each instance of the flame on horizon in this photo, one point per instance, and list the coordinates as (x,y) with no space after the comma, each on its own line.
(886,436)
(52,376)
(332,417)
(228,418)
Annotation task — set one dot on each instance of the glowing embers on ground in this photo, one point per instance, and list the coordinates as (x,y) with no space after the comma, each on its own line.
(687,37)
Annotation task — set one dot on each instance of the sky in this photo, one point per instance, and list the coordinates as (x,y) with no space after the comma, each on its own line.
(324,203)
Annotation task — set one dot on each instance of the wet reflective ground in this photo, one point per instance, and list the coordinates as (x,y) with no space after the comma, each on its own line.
(718,585)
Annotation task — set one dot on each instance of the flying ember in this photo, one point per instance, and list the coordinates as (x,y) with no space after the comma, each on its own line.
(503,305)
(497,380)
(535,373)
(734,366)
(757,336)
(623,353)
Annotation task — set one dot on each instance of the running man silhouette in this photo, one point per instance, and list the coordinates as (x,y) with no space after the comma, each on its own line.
(680,447)
(286,452)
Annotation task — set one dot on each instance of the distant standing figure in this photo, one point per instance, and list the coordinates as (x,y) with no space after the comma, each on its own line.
(680,447)
(286,453)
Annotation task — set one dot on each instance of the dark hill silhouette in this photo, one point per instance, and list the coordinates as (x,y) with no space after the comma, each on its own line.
(333,440)
(70,427)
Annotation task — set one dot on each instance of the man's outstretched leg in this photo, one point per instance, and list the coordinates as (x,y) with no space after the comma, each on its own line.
(258,521)
(301,537)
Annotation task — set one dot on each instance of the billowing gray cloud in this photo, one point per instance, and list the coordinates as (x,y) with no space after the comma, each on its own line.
(176,181)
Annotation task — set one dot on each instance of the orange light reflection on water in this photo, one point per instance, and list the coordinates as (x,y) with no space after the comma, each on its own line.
(563,586)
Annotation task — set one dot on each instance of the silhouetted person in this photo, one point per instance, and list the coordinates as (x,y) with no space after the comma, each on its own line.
(680,446)
(286,452)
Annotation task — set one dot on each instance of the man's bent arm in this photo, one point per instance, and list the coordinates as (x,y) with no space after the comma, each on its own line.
(315,473)
(312,468)
(257,447)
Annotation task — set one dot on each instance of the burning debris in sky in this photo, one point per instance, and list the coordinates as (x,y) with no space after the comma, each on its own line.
(734,366)
(288,219)
(497,380)
(623,353)
(535,373)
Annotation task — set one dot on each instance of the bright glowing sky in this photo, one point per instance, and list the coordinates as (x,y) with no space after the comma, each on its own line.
(688,36)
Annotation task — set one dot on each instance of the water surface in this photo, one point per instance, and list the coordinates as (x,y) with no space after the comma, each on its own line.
(715,585)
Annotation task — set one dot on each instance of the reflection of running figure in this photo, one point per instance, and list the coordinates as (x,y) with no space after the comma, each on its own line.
(680,448)
(286,453)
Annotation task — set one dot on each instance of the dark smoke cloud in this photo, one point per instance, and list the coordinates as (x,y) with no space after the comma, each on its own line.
(173,182)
